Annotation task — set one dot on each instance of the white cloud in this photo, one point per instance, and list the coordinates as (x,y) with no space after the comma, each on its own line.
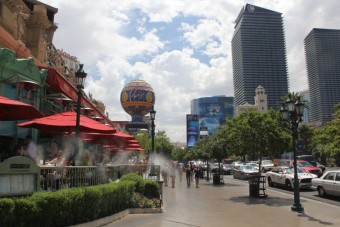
(96,32)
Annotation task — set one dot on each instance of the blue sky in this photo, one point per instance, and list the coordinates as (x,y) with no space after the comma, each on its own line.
(182,48)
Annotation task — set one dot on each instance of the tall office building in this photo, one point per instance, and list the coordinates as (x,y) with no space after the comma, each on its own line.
(322,48)
(259,56)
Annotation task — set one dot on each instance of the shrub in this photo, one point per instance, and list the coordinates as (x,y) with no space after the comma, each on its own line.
(152,189)
(25,211)
(139,181)
(6,211)
(76,205)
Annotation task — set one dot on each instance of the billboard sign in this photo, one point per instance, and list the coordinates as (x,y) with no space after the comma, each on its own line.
(193,129)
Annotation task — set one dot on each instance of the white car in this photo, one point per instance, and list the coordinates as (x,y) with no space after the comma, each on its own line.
(328,184)
(284,175)
(237,164)
(266,165)
(255,165)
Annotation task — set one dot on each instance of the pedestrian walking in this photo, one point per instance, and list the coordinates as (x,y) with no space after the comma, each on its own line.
(180,171)
(173,174)
(165,174)
(192,171)
(197,173)
(188,174)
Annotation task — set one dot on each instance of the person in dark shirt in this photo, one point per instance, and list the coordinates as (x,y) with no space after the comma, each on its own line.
(197,173)
(188,174)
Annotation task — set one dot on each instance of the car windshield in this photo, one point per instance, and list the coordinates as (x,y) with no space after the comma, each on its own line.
(267,162)
(304,164)
(291,170)
(248,167)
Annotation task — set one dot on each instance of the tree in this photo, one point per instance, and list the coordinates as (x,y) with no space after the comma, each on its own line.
(306,135)
(179,154)
(256,135)
(326,140)
(163,144)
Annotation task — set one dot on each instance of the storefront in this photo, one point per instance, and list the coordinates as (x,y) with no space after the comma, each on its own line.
(21,80)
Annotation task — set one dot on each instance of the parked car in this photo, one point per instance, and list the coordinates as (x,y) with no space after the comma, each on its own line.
(308,158)
(227,169)
(306,166)
(255,165)
(266,165)
(237,163)
(204,166)
(328,184)
(245,172)
(215,167)
(284,176)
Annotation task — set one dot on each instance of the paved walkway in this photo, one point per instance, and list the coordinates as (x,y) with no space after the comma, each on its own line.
(230,205)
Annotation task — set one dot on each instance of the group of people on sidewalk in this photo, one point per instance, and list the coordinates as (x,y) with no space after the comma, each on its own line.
(191,172)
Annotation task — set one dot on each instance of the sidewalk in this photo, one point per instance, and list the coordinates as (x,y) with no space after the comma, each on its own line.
(230,205)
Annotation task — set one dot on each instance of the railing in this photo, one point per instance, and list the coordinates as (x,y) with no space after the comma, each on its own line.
(55,178)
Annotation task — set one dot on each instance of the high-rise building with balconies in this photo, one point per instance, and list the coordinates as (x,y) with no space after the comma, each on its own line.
(322,48)
(259,56)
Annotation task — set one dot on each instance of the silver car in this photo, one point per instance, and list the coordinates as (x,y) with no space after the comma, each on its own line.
(245,172)
(328,184)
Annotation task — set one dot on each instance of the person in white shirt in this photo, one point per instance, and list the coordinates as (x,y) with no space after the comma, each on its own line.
(32,148)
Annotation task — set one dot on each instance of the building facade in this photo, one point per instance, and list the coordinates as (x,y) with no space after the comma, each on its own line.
(261,102)
(306,100)
(33,72)
(322,49)
(212,112)
(259,55)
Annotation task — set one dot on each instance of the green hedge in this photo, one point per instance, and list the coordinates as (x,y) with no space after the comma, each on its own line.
(77,205)
(139,181)
(66,207)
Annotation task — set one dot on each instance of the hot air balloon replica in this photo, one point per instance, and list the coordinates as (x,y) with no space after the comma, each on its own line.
(137,99)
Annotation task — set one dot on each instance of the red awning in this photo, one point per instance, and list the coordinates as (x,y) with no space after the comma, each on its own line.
(12,110)
(59,84)
(66,122)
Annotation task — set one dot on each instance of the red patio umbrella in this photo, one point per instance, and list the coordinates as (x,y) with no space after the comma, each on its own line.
(134,149)
(117,138)
(131,141)
(12,110)
(66,122)
(122,135)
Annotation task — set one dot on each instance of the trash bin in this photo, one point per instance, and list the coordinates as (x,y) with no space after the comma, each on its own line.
(254,186)
(216,179)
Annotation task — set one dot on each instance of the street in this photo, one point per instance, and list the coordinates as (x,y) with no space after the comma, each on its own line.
(310,193)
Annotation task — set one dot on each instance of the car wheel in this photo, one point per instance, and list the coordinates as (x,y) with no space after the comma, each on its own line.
(289,185)
(270,182)
(242,176)
(321,192)
(234,176)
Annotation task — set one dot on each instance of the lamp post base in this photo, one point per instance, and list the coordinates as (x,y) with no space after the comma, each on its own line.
(297,208)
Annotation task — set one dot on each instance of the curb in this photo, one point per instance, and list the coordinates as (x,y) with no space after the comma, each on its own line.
(109,219)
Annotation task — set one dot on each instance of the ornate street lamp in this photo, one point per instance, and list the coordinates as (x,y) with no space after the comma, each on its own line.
(152,116)
(292,112)
(80,81)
